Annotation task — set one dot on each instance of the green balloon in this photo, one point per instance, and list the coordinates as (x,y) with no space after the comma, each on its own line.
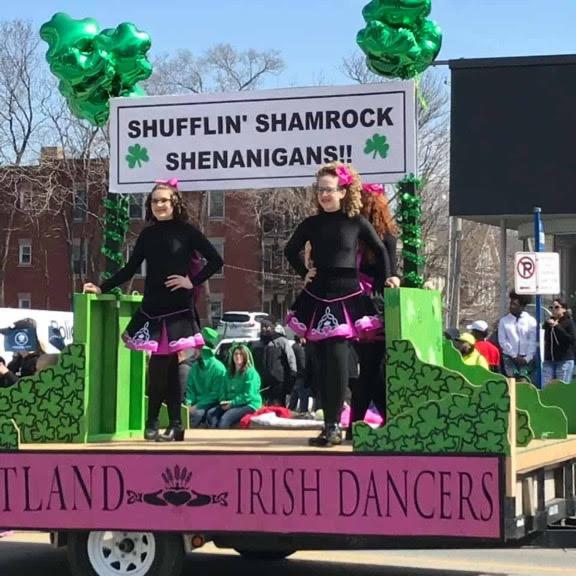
(397,13)
(95,65)
(381,40)
(399,42)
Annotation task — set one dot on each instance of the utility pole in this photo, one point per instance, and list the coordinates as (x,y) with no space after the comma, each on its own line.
(456,272)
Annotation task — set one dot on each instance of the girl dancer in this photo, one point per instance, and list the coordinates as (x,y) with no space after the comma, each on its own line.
(166,321)
(332,308)
(371,385)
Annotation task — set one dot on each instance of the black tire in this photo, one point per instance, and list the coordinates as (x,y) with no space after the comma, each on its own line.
(164,555)
(264,554)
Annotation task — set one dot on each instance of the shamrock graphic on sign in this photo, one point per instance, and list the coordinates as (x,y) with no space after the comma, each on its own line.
(377,145)
(137,155)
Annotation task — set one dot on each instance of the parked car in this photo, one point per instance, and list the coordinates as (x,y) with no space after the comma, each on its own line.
(240,325)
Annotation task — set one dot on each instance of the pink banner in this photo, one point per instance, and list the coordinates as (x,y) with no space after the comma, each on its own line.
(245,492)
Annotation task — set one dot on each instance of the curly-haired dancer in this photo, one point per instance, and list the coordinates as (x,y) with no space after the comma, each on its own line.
(332,309)
(371,385)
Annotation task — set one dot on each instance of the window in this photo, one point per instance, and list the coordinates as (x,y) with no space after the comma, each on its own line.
(24,195)
(140,272)
(216,204)
(24,300)
(216,308)
(218,243)
(136,207)
(79,256)
(80,205)
(24,252)
(273,257)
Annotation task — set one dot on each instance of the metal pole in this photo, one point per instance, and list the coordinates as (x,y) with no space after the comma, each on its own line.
(503,268)
(448,287)
(456,274)
(538,247)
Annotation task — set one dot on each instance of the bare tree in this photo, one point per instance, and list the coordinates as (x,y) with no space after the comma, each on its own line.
(433,159)
(221,68)
(24,87)
(276,212)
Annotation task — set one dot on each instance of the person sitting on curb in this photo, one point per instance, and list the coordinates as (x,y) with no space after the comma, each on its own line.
(7,377)
(204,380)
(466,344)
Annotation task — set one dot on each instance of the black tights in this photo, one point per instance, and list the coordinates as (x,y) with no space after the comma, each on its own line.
(371,385)
(332,376)
(164,385)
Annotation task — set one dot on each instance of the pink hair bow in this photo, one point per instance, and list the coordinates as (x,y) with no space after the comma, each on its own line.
(376,189)
(172,182)
(345,177)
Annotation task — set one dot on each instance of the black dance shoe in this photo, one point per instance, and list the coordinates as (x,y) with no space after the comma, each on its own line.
(151,430)
(320,440)
(333,435)
(330,436)
(171,434)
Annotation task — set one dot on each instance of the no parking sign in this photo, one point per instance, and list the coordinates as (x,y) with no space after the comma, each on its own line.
(537,273)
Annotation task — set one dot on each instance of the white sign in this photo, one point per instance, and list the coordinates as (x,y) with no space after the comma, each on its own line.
(53,328)
(261,139)
(537,273)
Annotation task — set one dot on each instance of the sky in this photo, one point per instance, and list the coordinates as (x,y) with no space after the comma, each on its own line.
(313,36)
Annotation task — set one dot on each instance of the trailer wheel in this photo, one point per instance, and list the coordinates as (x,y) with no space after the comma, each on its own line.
(265,554)
(125,553)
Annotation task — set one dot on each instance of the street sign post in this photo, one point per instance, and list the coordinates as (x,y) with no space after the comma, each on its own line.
(537,273)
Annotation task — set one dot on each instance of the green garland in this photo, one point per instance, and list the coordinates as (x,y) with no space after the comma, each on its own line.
(116,224)
(409,217)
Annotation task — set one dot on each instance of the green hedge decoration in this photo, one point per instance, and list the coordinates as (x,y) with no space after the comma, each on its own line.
(563,395)
(547,422)
(524,432)
(435,410)
(47,407)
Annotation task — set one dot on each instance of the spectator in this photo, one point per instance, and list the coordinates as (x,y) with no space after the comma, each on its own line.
(239,393)
(517,338)
(466,344)
(276,364)
(479,329)
(559,339)
(300,392)
(7,377)
(452,334)
(23,363)
(204,380)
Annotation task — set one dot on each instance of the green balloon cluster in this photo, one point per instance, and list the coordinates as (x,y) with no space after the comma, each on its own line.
(95,65)
(398,40)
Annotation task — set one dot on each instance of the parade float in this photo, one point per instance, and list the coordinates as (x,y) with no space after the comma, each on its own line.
(465,458)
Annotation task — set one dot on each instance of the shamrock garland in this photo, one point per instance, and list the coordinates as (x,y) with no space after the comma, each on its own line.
(398,40)
(116,224)
(409,217)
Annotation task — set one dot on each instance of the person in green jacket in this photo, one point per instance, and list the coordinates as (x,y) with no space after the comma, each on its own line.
(240,390)
(204,380)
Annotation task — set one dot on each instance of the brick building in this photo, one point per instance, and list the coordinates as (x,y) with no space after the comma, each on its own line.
(50,236)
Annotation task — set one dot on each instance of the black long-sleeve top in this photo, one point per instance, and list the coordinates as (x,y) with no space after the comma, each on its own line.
(168,247)
(559,340)
(370,268)
(334,239)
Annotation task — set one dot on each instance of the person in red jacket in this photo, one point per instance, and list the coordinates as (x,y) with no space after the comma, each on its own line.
(490,351)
